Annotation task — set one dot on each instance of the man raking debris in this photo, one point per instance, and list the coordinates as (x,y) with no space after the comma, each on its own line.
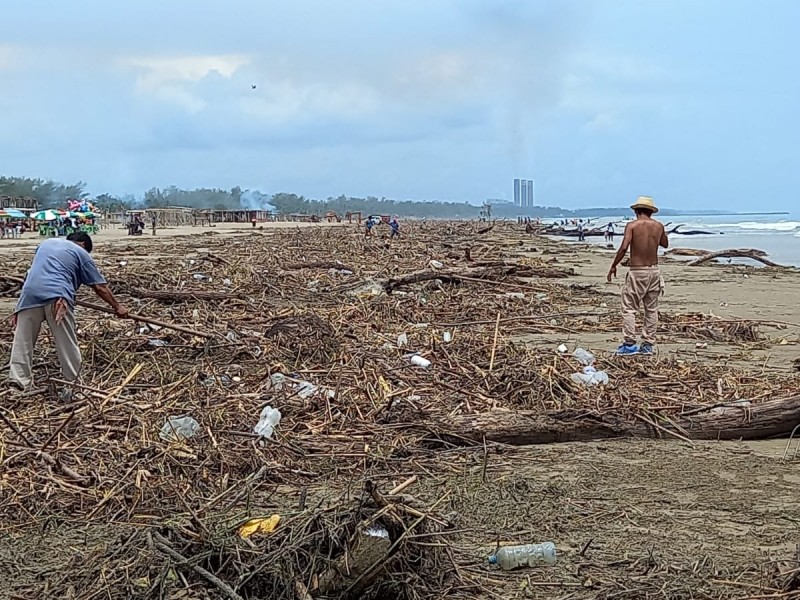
(60,267)
(643,283)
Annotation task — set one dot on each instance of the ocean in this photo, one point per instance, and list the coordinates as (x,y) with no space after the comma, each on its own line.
(777,235)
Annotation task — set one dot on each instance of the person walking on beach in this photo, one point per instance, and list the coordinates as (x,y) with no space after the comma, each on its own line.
(581,231)
(395,226)
(643,283)
(59,268)
(610,232)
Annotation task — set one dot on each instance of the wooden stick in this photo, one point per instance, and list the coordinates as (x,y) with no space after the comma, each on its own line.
(494,342)
(162,545)
(410,481)
(143,319)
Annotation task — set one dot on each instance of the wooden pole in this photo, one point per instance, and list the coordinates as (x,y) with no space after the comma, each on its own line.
(142,319)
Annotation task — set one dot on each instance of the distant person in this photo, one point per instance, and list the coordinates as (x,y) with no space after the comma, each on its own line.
(581,231)
(253,221)
(395,227)
(643,283)
(610,232)
(154,219)
(369,225)
(59,268)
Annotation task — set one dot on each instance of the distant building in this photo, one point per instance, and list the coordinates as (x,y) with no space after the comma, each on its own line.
(524,193)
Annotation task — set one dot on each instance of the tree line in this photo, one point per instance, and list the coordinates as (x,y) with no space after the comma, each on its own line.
(51,194)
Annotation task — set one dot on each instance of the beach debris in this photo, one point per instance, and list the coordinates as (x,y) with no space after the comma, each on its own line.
(562,348)
(193,497)
(513,295)
(583,356)
(420,361)
(590,376)
(179,428)
(261,525)
(757,255)
(447,337)
(268,420)
(528,555)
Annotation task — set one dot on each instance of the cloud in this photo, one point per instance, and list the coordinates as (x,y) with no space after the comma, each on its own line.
(171,78)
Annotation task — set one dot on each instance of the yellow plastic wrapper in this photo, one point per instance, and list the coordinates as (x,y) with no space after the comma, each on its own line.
(262,525)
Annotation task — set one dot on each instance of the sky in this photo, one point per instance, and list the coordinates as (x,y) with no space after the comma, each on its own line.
(693,103)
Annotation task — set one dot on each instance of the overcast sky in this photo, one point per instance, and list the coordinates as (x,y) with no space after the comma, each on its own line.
(694,103)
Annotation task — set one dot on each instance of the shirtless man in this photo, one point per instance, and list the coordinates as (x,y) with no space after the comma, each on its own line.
(643,283)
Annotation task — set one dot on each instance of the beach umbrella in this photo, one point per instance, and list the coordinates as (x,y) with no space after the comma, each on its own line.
(15,214)
(87,215)
(45,215)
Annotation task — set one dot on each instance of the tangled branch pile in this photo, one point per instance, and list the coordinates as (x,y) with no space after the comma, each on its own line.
(334,318)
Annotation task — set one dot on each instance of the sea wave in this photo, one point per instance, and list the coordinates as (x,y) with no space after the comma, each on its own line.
(755,226)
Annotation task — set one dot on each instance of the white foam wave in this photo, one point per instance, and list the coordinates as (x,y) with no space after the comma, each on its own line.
(755,226)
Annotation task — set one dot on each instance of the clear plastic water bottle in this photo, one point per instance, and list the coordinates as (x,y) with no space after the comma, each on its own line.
(584,357)
(528,555)
(179,428)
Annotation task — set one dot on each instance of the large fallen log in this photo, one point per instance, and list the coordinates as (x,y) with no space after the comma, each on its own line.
(491,272)
(731,421)
(675,229)
(756,255)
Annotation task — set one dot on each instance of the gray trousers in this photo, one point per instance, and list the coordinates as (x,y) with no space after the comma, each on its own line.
(29,323)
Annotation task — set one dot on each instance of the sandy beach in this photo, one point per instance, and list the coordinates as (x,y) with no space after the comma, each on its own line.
(631,518)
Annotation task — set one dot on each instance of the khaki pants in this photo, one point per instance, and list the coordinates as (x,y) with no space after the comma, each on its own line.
(643,287)
(29,323)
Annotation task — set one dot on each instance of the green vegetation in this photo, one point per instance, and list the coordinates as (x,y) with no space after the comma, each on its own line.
(51,194)
(48,193)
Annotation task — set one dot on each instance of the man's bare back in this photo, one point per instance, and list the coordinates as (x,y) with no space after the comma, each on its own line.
(646,235)
(643,236)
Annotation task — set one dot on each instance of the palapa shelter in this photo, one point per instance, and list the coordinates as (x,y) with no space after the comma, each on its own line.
(232,216)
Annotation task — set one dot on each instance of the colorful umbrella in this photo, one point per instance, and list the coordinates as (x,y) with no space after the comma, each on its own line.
(45,215)
(15,214)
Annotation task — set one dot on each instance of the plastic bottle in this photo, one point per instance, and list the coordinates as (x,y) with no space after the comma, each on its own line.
(584,357)
(528,555)
(420,361)
(268,421)
(179,428)
(590,376)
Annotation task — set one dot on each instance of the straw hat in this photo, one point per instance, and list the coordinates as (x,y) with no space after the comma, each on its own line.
(645,202)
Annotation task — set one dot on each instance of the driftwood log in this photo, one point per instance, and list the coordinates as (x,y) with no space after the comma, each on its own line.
(675,230)
(492,271)
(756,255)
(724,422)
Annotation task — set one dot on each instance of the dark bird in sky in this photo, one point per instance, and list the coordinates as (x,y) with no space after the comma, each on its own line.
(253,86)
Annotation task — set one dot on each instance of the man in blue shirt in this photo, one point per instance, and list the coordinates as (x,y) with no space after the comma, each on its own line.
(59,268)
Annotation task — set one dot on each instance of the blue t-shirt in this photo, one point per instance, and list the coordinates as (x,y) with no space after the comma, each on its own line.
(59,268)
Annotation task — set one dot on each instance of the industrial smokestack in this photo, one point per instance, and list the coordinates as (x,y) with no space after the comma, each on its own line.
(516,192)
(531,197)
(523,193)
